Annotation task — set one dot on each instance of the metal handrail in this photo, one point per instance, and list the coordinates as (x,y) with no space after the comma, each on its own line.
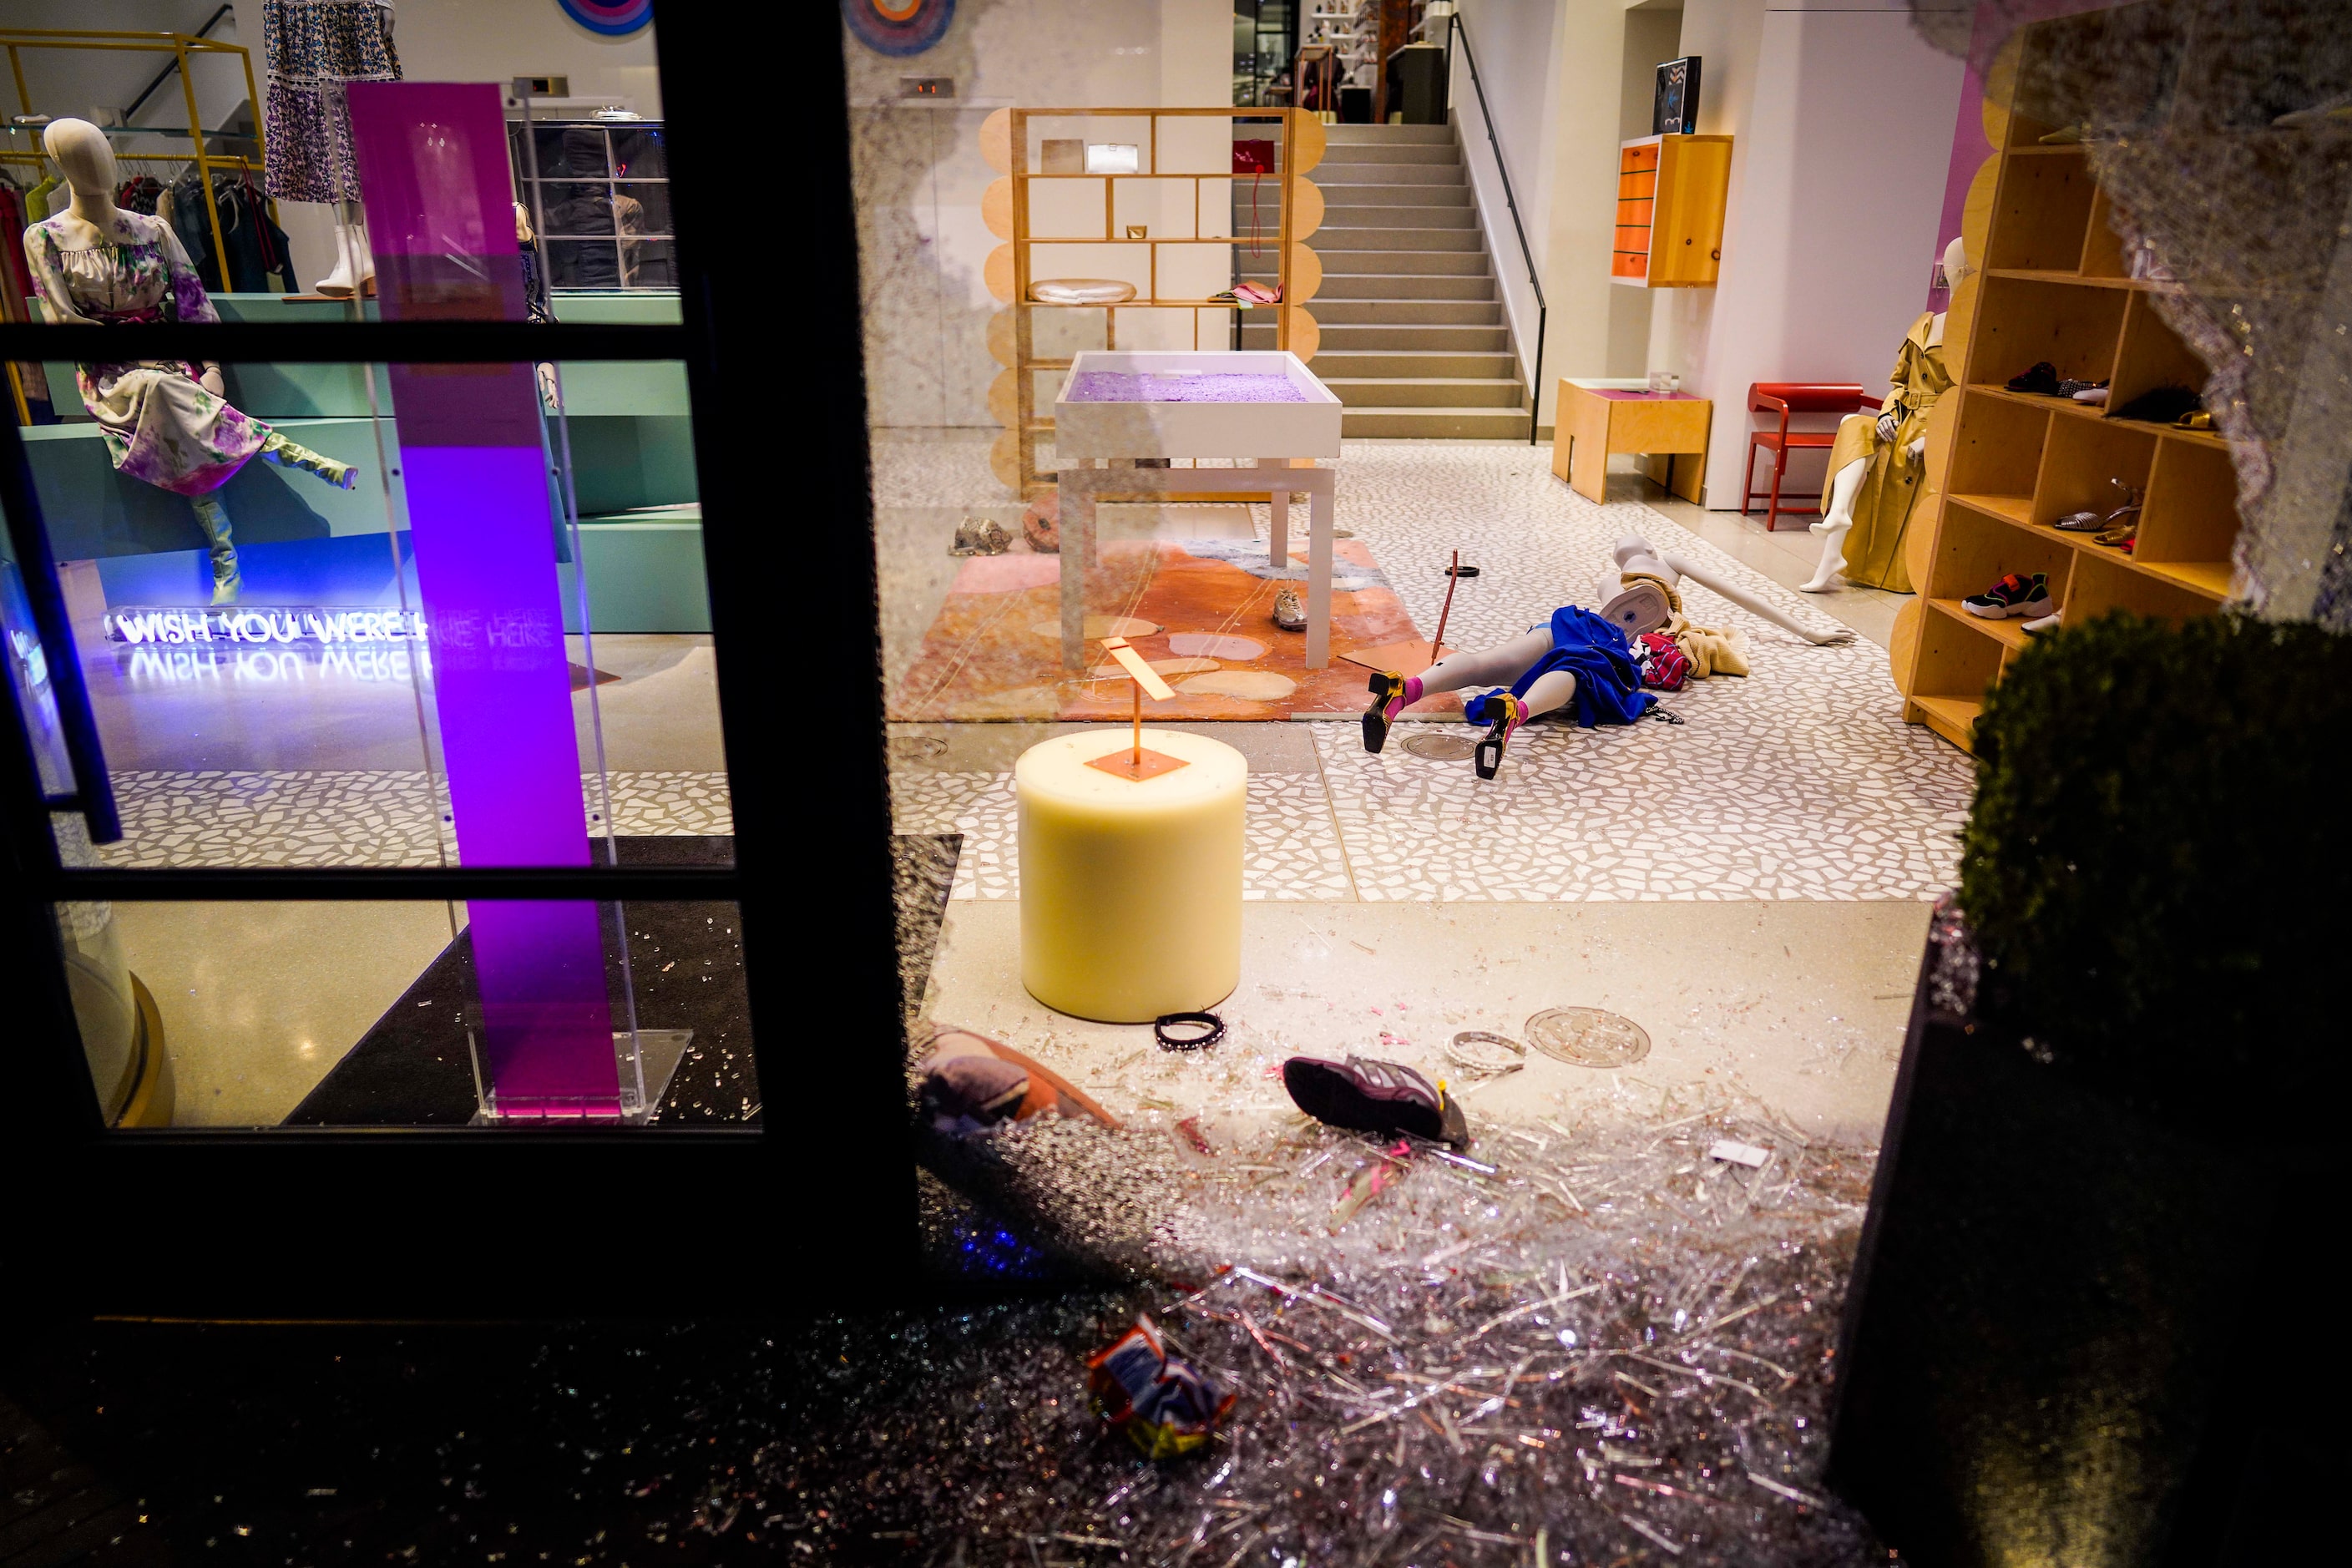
(1543,310)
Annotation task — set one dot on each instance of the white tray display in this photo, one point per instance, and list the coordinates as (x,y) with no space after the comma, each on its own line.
(1238,427)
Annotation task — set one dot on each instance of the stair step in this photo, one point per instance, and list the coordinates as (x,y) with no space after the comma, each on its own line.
(1429,215)
(1381,263)
(1328,174)
(1398,313)
(1437,424)
(1429,392)
(1386,152)
(1365,194)
(1406,339)
(1395,238)
(1402,286)
(1350,364)
(1390,135)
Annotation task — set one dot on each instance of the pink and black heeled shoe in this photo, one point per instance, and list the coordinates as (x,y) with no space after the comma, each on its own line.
(1508,713)
(1391,694)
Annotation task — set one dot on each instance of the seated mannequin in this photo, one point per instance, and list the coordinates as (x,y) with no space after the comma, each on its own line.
(163,422)
(1876,467)
(1583,658)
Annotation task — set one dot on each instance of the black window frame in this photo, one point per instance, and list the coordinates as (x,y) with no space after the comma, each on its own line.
(472,1222)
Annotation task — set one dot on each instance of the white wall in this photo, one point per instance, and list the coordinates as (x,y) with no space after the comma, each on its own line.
(1842,115)
(919,176)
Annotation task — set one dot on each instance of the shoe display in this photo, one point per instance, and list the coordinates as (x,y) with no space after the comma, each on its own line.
(2014,596)
(1288,613)
(1366,1096)
(980,536)
(2048,623)
(2041,380)
(1502,713)
(2081,522)
(2075,389)
(2092,394)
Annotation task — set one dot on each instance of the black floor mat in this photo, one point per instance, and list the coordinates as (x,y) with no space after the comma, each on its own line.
(415,1067)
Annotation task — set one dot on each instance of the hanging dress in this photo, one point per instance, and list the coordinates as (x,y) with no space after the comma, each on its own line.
(1884,505)
(313,49)
(159,423)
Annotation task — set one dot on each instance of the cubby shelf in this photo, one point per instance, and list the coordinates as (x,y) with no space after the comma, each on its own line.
(2055,287)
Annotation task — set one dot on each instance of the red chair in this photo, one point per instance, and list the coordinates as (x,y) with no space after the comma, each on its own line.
(1784,398)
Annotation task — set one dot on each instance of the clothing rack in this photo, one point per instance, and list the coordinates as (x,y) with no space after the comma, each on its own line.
(181,47)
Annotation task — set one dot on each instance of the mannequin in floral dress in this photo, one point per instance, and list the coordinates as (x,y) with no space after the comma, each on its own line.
(166,422)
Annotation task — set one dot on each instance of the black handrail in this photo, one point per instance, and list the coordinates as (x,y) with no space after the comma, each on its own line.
(1543,310)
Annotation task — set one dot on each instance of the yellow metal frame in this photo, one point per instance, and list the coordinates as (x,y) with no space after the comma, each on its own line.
(180,46)
(1030,424)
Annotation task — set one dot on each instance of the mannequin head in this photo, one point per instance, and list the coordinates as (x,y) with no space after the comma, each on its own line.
(83,156)
(1955,262)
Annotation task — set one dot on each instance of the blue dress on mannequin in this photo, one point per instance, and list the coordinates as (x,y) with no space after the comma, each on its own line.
(1608,682)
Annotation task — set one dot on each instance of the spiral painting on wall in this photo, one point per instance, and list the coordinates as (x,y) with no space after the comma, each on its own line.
(611,17)
(898,26)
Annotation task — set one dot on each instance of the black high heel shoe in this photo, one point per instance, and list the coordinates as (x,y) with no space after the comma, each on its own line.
(1489,758)
(1386,686)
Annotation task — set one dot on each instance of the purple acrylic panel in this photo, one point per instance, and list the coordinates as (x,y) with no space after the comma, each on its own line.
(440,214)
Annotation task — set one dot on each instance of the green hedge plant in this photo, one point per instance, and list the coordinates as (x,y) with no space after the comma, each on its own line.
(2158,867)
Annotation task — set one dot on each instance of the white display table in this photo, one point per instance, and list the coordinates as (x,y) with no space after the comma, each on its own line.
(1098,419)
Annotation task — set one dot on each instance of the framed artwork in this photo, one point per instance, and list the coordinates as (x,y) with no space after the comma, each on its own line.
(1675,111)
(898,27)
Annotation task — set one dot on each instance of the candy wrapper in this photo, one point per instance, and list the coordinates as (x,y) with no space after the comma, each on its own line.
(1165,1407)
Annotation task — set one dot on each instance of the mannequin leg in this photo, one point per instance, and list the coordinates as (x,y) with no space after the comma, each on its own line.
(287,454)
(1683,566)
(213,518)
(1834,525)
(1392,693)
(1554,688)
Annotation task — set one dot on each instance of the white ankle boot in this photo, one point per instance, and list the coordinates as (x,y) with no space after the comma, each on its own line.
(355,270)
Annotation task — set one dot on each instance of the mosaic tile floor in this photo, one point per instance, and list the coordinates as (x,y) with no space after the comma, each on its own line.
(1799,781)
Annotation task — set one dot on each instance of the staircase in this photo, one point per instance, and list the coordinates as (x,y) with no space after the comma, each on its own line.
(1412,336)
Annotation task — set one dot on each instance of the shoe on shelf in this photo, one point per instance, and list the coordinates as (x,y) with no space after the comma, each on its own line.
(1288,613)
(1366,1096)
(2014,596)
(2035,627)
(2041,380)
(2122,535)
(2081,522)
(2093,395)
(2075,389)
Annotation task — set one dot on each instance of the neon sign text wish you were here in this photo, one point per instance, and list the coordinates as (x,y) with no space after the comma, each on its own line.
(272,625)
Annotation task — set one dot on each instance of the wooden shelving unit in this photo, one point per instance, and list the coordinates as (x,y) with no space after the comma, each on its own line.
(2056,287)
(1671,194)
(1012,141)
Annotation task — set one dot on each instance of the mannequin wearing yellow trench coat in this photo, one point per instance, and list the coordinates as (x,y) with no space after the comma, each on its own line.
(1893,473)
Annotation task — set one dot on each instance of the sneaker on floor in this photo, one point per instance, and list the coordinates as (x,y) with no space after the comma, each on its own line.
(2015,595)
(1365,1095)
(1288,613)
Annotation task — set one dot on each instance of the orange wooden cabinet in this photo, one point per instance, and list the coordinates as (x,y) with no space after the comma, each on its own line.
(1670,198)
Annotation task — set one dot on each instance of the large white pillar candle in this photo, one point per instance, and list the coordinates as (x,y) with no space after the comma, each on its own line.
(1130,891)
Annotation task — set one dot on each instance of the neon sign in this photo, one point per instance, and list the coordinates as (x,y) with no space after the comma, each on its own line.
(269,623)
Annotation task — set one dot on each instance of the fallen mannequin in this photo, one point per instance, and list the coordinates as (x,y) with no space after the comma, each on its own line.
(1586,661)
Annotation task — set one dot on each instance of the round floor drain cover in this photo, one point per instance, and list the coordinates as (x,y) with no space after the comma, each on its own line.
(1442,747)
(1589,1037)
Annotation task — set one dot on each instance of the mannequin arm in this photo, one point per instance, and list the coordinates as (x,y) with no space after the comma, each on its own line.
(1754,605)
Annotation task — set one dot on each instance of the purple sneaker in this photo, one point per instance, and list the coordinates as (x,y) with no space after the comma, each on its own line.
(1374,1096)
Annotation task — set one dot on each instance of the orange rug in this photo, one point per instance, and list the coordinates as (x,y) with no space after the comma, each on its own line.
(1191,607)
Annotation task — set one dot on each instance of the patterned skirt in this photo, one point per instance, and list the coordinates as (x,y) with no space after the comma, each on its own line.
(312,48)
